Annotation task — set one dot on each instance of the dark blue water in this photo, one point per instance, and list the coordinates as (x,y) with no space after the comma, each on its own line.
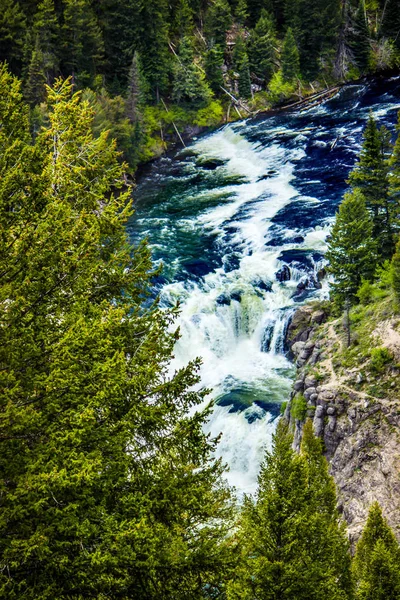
(224,216)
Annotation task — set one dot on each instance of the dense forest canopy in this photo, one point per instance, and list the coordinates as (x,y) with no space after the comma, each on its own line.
(129,55)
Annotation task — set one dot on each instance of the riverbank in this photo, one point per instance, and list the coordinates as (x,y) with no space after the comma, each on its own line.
(171,128)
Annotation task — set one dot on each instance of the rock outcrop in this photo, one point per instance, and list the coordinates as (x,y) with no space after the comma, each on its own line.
(361,433)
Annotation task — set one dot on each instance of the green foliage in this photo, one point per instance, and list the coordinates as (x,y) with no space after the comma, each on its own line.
(365,292)
(108,485)
(262,48)
(35,90)
(209,116)
(12,33)
(380,358)
(292,545)
(298,408)
(213,67)
(351,248)
(371,176)
(279,90)
(290,57)
(82,41)
(395,272)
(219,20)
(376,563)
(189,85)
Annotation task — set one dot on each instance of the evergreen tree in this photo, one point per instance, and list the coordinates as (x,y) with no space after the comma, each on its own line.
(137,90)
(377,560)
(241,12)
(370,176)
(394,184)
(263,48)
(12,33)
(315,26)
(108,486)
(218,22)
(292,546)
(153,45)
(189,81)
(184,19)
(82,41)
(244,78)
(351,248)
(361,45)
(396,272)
(35,91)
(390,21)
(290,57)
(46,29)
(239,52)
(214,61)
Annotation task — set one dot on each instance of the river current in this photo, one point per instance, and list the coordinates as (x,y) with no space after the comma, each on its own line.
(224,216)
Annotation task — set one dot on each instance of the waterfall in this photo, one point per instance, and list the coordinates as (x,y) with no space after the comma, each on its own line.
(240,220)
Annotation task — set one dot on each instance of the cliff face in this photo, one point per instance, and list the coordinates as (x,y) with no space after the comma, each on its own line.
(353,397)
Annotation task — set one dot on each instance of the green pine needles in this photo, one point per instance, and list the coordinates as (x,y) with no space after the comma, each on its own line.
(108,487)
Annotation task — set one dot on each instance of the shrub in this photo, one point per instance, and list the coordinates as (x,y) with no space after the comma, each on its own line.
(380,357)
(299,408)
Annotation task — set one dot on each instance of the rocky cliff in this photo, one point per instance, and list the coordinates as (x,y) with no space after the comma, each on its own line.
(353,396)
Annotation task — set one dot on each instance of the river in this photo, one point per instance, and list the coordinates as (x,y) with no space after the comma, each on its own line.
(224,216)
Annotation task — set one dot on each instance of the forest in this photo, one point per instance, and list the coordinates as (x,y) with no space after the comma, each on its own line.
(151,67)
(110,485)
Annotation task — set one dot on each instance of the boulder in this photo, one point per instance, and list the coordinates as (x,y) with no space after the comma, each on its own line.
(283,274)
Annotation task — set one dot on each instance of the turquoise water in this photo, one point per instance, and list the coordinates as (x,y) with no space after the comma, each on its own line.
(224,215)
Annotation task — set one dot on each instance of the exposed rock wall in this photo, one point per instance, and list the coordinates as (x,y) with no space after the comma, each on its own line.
(361,433)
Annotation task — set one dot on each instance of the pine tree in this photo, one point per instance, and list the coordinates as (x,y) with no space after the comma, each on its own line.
(12,30)
(351,248)
(263,48)
(153,45)
(396,272)
(241,12)
(137,90)
(394,184)
(371,177)
(239,52)
(218,22)
(82,41)
(292,546)
(184,19)
(46,28)
(214,61)
(244,78)
(390,21)
(108,485)
(290,57)
(377,560)
(35,91)
(189,82)
(361,45)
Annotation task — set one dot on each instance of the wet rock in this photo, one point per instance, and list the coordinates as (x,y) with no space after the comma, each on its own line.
(318,317)
(298,385)
(231,262)
(223,300)
(265,286)
(237,296)
(283,274)
(298,347)
(321,274)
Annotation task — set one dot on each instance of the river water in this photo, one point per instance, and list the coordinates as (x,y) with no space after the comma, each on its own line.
(224,216)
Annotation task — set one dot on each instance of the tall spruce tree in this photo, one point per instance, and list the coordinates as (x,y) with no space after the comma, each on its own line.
(82,41)
(396,273)
(351,248)
(390,21)
(189,84)
(214,61)
(292,545)
(361,44)
(263,48)
(394,183)
(371,177)
(218,22)
(108,486)
(244,78)
(290,57)
(35,91)
(47,30)
(12,34)
(377,560)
